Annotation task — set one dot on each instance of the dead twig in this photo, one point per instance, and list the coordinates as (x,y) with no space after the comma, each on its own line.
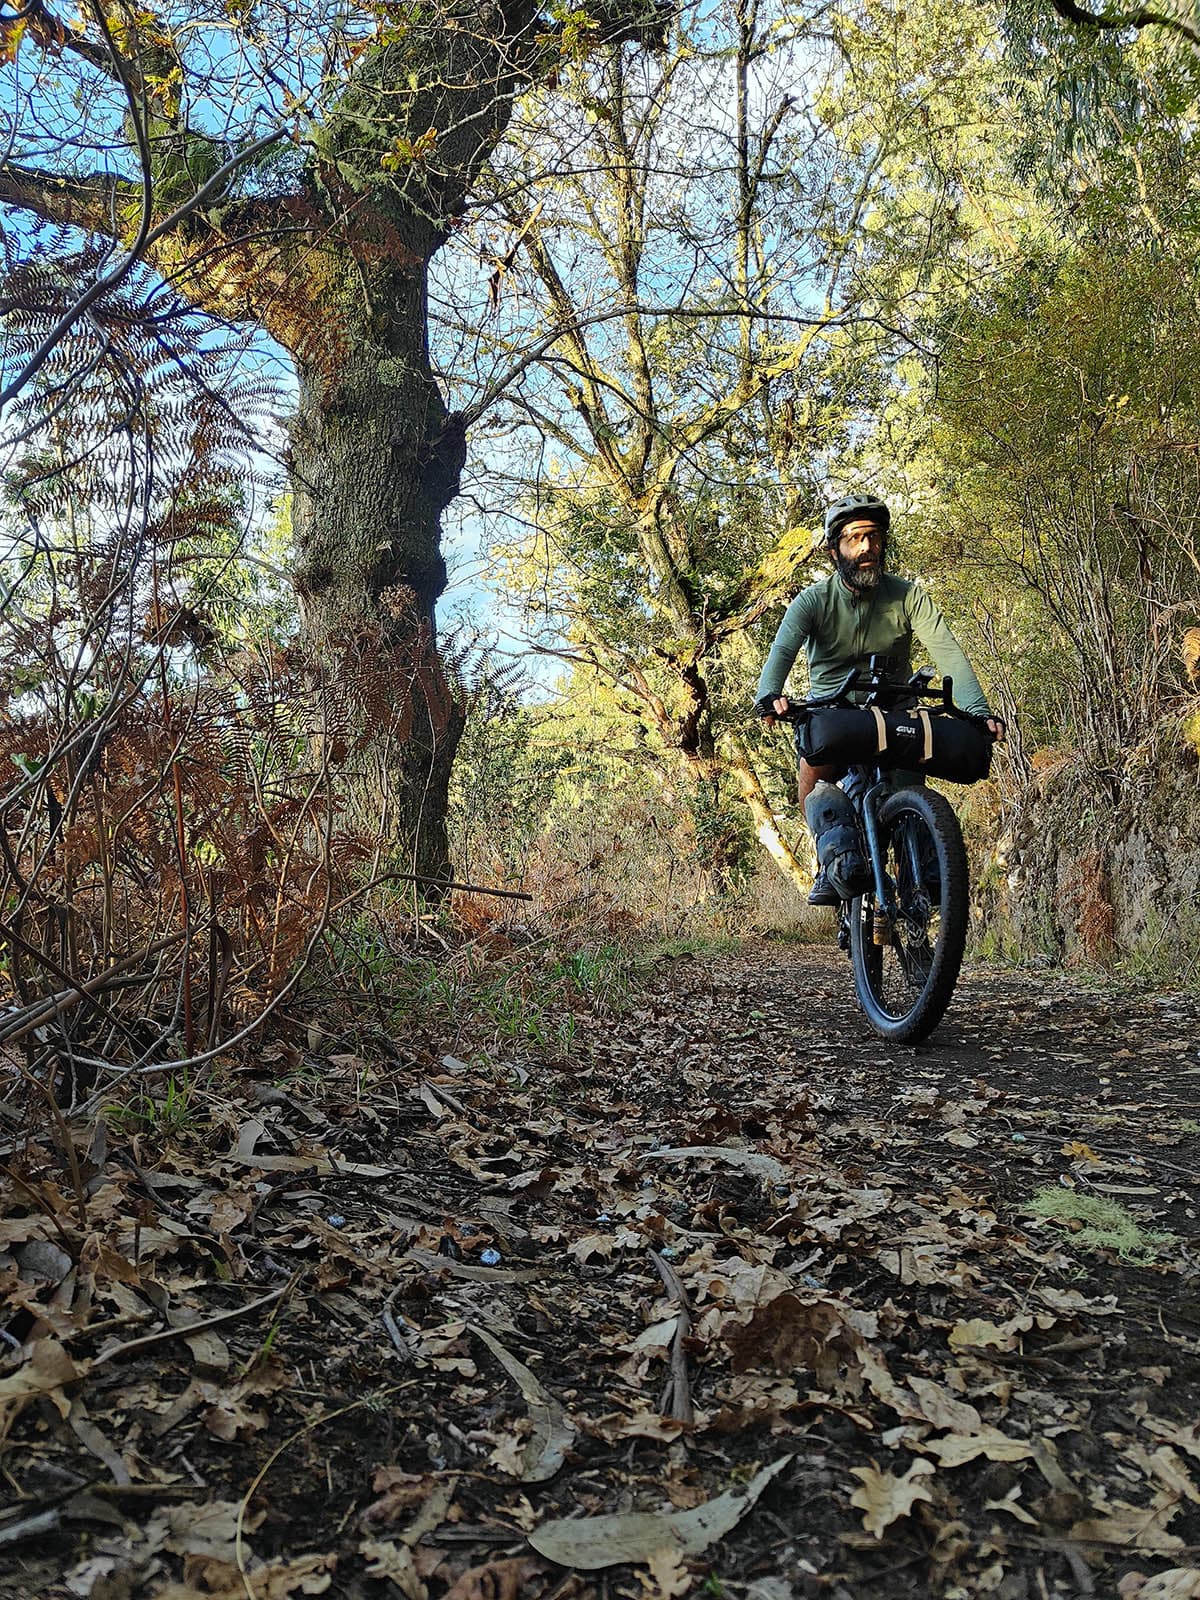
(161,1337)
(30,1527)
(404,1346)
(678,1389)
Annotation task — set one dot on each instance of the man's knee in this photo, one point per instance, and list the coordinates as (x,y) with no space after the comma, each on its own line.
(810,776)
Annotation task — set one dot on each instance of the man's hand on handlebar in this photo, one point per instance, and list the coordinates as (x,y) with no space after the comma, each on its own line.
(771,708)
(997,728)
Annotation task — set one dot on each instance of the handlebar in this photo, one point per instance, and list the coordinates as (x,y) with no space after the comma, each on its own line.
(879,690)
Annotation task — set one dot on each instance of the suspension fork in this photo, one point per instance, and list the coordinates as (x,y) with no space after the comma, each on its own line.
(884,901)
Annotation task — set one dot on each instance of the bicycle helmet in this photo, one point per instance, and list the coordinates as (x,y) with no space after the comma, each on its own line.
(854,508)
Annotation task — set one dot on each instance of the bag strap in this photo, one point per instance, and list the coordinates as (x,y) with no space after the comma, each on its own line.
(927,724)
(880,729)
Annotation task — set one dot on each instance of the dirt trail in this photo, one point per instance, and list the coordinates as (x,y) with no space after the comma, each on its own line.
(960,1398)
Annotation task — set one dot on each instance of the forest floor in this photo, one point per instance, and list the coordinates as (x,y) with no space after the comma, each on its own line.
(761,1292)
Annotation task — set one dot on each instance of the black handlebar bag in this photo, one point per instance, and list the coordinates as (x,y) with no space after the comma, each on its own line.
(937,743)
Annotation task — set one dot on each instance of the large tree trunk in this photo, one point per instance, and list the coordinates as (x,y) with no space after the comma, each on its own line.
(375,461)
(335,264)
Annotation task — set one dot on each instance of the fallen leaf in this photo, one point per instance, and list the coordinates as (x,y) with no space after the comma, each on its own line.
(1134,1527)
(392,1561)
(591,1543)
(751,1161)
(495,1580)
(465,1269)
(398,1491)
(981,1334)
(46,1372)
(1078,1151)
(1179,1583)
(1187,1438)
(940,1407)
(207,1530)
(957,1448)
(884,1498)
(667,1578)
(432,1514)
(553,1431)
(788,1333)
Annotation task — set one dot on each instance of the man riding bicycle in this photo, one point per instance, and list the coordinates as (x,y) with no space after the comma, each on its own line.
(842,621)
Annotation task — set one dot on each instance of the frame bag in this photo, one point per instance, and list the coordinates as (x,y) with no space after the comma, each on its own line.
(936,743)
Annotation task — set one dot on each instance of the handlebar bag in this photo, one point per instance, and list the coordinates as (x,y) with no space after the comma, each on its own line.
(932,742)
(839,737)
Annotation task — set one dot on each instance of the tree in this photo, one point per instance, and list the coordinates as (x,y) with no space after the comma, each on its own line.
(300,169)
(710,246)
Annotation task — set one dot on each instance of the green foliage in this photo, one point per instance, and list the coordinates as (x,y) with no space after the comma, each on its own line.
(1058,435)
(1099,1224)
(162,1116)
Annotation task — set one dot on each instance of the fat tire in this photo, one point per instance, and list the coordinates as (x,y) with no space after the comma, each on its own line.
(930,1005)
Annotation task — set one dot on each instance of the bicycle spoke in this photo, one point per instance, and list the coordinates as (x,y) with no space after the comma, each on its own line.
(906,965)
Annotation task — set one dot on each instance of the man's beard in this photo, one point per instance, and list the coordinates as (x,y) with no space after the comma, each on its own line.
(859,578)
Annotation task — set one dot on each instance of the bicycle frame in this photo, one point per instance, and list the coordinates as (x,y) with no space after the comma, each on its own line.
(905,931)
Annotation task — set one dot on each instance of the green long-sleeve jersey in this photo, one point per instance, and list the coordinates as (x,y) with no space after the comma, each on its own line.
(840,628)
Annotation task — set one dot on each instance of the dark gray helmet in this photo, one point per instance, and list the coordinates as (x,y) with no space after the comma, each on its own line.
(854,508)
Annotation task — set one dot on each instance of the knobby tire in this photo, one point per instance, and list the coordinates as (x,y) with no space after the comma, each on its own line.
(927,978)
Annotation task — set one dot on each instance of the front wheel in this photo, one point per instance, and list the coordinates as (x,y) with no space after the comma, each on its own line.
(905,969)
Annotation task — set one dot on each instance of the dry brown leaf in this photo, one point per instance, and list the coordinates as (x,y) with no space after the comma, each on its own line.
(98,1259)
(667,1578)
(432,1513)
(467,1269)
(1069,1301)
(228,1419)
(642,1423)
(751,1161)
(230,1209)
(398,1491)
(741,1287)
(209,1531)
(274,1580)
(928,1264)
(553,1431)
(593,1246)
(957,1448)
(884,1498)
(392,1561)
(1167,1467)
(787,1334)
(46,1373)
(591,1543)
(1187,1438)
(979,1333)
(940,1407)
(1133,1527)
(495,1580)
(1179,1583)
(208,1350)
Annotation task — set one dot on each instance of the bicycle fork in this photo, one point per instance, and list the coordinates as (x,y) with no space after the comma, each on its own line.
(886,910)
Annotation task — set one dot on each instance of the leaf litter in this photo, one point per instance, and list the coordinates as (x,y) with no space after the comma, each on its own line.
(697,1310)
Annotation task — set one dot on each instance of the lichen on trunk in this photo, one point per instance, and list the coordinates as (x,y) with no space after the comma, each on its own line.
(375,459)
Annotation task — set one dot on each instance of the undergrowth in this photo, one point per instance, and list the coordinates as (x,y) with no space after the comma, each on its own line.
(1095,1223)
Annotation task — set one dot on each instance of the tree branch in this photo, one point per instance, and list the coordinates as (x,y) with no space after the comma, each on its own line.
(146,238)
(1070,12)
(90,204)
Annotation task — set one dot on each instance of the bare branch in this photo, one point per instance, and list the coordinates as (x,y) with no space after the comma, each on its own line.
(1070,12)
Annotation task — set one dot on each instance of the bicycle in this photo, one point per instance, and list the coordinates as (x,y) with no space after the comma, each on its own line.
(907,931)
